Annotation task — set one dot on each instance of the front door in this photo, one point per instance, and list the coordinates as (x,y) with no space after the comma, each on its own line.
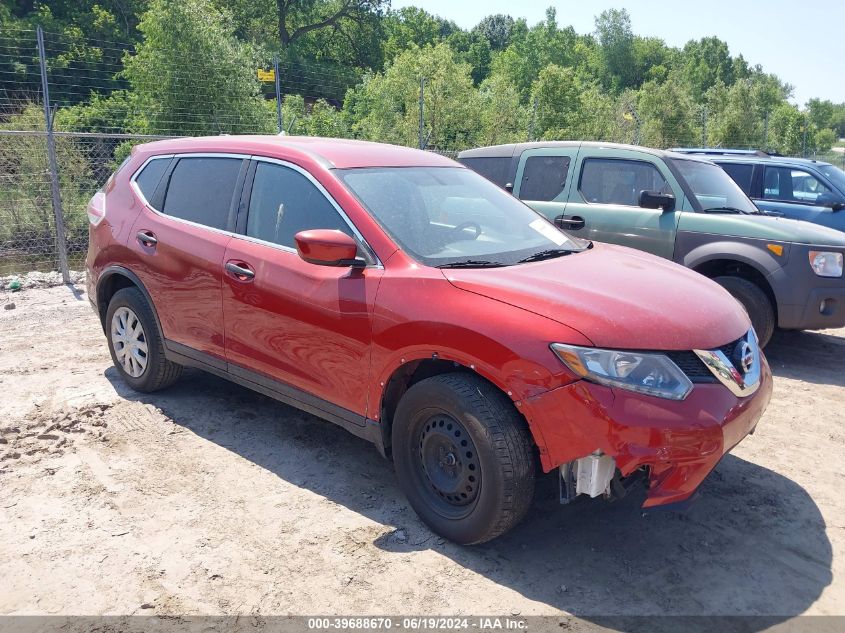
(606,196)
(305,326)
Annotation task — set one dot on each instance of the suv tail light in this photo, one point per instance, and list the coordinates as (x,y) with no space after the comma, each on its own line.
(97,208)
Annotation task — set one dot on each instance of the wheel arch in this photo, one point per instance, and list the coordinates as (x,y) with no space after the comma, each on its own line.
(738,267)
(412,370)
(114,278)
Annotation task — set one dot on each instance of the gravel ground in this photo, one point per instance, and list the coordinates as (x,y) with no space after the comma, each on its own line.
(211,499)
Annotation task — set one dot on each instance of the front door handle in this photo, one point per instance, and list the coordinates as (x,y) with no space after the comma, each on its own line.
(240,271)
(146,238)
(572,223)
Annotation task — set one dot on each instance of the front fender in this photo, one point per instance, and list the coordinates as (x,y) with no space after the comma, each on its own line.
(694,249)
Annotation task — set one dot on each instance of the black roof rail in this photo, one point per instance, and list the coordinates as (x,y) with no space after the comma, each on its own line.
(722,151)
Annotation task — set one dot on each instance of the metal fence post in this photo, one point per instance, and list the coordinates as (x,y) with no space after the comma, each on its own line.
(422,117)
(55,194)
(278,94)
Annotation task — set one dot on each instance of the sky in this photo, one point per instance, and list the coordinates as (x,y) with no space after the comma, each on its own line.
(803,43)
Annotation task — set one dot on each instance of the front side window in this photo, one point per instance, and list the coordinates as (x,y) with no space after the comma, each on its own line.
(713,189)
(451,216)
(201,190)
(835,175)
(283,202)
(741,174)
(618,181)
(791,185)
(543,178)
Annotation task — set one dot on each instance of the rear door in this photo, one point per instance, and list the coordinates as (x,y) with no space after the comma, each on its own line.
(179,240)
(606,196)
(543,178)
(304,327)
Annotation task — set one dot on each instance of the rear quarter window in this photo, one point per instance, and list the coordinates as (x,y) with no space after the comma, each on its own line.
(150,176)
(494,169)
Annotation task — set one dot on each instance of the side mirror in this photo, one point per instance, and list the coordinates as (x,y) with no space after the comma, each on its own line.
(657,200)
(831,200)
(327,247)
(509,187)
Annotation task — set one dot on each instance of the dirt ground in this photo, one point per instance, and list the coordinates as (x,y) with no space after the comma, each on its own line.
(211,499)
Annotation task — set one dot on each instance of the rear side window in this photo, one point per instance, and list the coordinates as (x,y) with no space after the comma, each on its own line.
(494,169)
(740,173)
(283,202)
(617,181)
(201,190)
(150,176)
(543,178)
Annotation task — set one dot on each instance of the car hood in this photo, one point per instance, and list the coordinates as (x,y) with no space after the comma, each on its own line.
(617,297)
(764,227)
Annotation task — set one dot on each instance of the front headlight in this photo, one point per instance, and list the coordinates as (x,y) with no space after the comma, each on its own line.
(652,374)
(826,264)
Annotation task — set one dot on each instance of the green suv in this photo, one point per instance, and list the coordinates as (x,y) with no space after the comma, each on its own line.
(787,273)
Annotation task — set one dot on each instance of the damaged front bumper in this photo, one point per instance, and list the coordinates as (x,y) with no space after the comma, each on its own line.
(675,444)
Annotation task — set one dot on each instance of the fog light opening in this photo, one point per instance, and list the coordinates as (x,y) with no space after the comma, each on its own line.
(827,307)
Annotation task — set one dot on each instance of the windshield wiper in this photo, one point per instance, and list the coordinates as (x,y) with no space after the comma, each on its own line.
(472,263)
(547,254)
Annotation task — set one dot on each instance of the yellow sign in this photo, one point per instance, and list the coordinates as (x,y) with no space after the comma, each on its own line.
(266,75)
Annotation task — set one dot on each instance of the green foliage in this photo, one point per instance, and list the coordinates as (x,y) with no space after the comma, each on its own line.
(385,106)
(667,112)
(25,200)
(191,75)
(496,29)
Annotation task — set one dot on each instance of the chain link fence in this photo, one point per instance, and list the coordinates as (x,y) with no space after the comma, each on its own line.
(53,159)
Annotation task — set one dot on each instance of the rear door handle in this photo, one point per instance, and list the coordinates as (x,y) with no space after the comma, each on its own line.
(575,222)
(147,238)
(240,271)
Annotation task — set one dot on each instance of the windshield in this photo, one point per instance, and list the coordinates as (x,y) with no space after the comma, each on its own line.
(712,187)
(446,216)
(836,176)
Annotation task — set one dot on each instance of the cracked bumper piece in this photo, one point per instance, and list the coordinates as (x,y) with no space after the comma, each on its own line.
(679,441)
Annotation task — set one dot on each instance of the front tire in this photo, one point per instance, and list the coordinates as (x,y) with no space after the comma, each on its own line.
(756,304)
(136,344)
(463,457)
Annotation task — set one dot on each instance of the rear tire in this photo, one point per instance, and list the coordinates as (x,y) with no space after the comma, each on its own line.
(136,344)
(463,457)
(756,304)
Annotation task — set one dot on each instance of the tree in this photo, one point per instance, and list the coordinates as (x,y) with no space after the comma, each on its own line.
(297,18)
(503,118)
(704,62)
(474,49)
(496,29)
(613,30)
(385,107)
(191,75)
(667,113)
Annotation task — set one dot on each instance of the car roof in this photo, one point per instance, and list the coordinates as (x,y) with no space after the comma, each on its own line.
(330,152)
(514,149)
(745,155)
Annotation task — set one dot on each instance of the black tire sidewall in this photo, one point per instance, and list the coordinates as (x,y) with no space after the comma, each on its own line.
(133,299)
(417,405)
(755,302)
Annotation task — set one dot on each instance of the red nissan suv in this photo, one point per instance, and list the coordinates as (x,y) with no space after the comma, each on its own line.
(417,305)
